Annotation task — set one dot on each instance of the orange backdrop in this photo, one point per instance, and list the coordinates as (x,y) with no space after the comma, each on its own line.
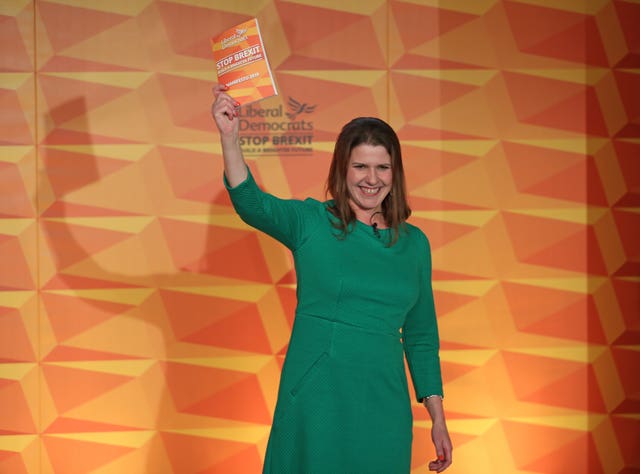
(142,325)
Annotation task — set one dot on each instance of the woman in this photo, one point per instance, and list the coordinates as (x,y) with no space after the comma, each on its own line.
(364,302)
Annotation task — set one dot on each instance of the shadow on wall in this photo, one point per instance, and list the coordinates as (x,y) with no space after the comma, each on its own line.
(111,352)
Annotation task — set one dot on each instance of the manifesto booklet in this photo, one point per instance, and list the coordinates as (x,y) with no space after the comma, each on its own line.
(241,63)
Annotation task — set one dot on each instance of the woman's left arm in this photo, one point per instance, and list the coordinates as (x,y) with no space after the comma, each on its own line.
(422,345)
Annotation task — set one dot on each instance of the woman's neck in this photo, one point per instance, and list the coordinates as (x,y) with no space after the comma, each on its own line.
(377,219)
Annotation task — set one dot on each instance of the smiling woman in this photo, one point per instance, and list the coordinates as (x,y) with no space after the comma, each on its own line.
(366,177)
(343,400)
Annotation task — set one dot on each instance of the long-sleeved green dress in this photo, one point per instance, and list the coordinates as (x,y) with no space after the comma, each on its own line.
(343,401)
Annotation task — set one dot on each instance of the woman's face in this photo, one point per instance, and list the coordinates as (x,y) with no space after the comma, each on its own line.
(369,179)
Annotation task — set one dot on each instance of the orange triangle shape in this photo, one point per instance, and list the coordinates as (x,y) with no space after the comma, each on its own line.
(71,243)
(578,390)
(17,417)
(13,258)
(15,201)
(73,25)
(15,345)
(242,259)
(425,165)
(433,93)
(67,172)
(190,384)
(320,23)
(72,425)
(70,387)
(578,321)
(579,252)
(578,455)
(242,401)
(578,113)
(529,374)
(580,43)
(66,455)
(242,462)
(191,454)
(528,442)
(70,315)
(12,462)
(225,332)
(13,46)
(203,311)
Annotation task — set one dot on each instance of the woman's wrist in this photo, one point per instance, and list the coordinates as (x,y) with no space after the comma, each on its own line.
(425,399)
(433,404)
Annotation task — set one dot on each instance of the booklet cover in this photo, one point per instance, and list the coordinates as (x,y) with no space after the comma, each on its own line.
(242,64)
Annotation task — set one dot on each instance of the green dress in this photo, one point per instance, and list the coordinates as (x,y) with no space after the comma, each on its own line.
(343,401)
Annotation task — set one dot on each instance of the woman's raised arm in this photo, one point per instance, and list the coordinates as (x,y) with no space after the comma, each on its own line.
(225,114)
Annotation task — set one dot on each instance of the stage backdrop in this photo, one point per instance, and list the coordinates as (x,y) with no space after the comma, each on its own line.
(143,325)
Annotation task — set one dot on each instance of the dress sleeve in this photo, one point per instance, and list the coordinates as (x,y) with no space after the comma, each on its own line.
(286,220)
(420,334)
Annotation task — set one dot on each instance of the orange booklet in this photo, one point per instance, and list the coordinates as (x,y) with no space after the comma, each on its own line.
(241,63)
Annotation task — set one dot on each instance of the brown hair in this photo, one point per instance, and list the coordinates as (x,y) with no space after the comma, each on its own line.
(376,132)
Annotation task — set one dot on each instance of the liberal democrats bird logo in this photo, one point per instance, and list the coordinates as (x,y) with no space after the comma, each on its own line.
(296,108)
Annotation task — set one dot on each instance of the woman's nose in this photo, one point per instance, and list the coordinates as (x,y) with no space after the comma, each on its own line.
(372,176)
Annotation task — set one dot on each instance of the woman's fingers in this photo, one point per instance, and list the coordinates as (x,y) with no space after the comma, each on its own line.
(224,104)
(218,89)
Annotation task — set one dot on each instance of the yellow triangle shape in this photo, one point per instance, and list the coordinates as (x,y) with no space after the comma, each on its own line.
(129,368)
(14,154)
(15,227)
(248,364)
(124,79)
(127,224)
(205,75)
(128,439)
(244,434)
(473,357)
(465,287)
(579,215)
(14,80)
(584,285)
(128,8)
(576,75)
(359,8)
(476,8)
(130,153)
(581,353)
(16,443)
(461,76)
(579,146)
(231,221)
(129,296)
(580,422)
(464,147)
(16,299)
(474,218)
(250,293)
(15,371)
(354,78)
(586,8)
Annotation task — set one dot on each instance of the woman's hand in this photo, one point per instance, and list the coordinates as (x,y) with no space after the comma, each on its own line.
(439,434)
(444,448)
(224,111)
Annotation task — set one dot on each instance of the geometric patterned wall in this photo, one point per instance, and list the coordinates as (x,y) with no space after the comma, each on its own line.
(143,325)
